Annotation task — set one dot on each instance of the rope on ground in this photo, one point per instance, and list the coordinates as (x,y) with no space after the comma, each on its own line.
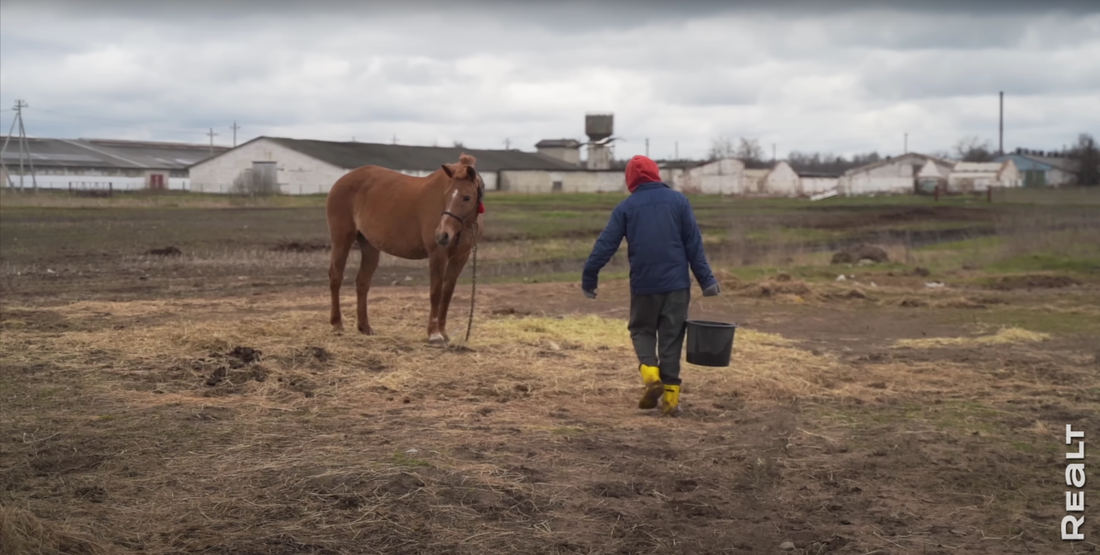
(473,295)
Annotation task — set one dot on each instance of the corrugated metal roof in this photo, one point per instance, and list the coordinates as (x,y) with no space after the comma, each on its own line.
(351,155)
(558,143)
(894,159)
(110,154)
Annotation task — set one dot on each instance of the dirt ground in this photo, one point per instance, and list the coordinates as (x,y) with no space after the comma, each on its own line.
(220,415)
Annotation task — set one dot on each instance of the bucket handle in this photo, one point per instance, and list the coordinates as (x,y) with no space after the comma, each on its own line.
(722,295)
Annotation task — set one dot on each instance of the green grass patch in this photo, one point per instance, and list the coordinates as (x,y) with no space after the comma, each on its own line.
(1047,263)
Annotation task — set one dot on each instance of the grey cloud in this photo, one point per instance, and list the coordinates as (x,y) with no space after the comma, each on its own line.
(829,76)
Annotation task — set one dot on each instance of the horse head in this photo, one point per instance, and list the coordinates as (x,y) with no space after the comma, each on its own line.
(461,200)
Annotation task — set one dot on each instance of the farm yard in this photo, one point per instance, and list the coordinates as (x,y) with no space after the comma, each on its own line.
(170,383)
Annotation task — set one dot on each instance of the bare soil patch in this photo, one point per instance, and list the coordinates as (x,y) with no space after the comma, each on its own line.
(269,434)
(1033,281)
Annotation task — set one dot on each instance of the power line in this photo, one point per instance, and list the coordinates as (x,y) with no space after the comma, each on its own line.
(24,147)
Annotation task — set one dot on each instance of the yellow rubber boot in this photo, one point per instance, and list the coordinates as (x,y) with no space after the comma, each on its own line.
(671,401)
(651,378)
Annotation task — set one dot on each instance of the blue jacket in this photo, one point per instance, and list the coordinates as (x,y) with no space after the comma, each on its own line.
(662,238)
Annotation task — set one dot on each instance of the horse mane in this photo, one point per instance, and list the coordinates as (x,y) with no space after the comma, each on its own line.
(465,162)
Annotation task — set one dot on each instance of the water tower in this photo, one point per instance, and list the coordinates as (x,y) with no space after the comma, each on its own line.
(599,128)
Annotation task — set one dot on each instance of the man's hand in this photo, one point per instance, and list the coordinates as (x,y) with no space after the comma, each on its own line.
(712,290)
(590,294)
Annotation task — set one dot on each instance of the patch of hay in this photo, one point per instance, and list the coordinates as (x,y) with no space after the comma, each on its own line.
(777,286)
(861,252)
(958,303)
(728,281)
(1002,337)
(22,533)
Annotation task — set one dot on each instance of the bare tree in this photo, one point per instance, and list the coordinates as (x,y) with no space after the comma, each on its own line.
(720,148)
(749,152)
(828,162)
(1087,156)
(973,149)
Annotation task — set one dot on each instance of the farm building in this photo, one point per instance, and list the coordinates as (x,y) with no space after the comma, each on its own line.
(813,183)
(102,163)
(897,175)
(725,176)
(780,181)
(302,167)
(1039,169)
(970,177)
(566,150)
(754,180)
(932,176)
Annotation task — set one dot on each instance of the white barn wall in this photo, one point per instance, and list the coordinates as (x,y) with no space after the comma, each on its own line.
(815,185)
(894,177)
(721,177)
(298,174)
(86,182)
(782,181)
(542,181)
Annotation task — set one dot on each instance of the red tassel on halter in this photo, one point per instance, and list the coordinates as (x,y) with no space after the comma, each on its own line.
(480,208)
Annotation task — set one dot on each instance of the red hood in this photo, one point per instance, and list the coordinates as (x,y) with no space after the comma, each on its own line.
(640,170)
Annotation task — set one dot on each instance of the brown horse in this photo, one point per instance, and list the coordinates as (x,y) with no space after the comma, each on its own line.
(437,217)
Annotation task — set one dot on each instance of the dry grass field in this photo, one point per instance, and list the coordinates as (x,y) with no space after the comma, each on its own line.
(199,403)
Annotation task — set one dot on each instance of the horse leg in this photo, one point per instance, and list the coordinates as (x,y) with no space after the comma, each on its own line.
(368,263)
(341,246)
(450,279)
(437,267)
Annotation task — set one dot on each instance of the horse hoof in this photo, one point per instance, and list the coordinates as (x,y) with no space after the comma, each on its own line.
(338,328)
(367,332)
(437,339)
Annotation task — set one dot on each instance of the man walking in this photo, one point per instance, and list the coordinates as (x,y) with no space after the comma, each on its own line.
(663,243)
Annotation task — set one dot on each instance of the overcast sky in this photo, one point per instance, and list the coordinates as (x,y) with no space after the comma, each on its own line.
(811,76)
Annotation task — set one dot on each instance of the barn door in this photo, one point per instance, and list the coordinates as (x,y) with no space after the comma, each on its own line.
(1035,178)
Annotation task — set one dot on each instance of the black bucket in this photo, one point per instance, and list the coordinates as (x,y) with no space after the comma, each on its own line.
(709,343)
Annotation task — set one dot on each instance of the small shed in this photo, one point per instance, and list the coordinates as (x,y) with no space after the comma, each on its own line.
(1039,169)
(931,177)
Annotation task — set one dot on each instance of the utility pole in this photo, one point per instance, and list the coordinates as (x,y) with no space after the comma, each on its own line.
(1001,144)
(24,147)
(211,134)
(507,143)
(677,150)
(773,153)
(905,147)
(395,138)
(235,127)
(647,147)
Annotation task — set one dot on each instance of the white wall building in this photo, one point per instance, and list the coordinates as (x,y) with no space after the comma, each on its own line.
(896,175)
(718,177)
(306,167)
(973,177)
(100,164)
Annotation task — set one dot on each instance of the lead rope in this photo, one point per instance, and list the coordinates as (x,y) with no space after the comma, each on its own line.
(473,294)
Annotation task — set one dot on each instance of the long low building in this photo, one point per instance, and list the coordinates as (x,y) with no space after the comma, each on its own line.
(100,163)
(304,167)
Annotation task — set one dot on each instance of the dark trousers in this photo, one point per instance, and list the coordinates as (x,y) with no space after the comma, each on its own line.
(657,327)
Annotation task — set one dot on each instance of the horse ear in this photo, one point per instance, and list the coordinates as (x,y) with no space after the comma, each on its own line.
(447,170)
(470,173)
